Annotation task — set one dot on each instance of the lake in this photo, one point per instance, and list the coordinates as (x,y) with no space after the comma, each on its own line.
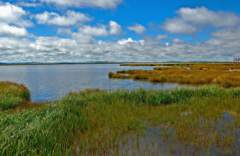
(50,82)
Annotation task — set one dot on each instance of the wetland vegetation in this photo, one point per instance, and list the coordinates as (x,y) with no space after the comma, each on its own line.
(12,95)
(98,122)
(223,74)
(190,121)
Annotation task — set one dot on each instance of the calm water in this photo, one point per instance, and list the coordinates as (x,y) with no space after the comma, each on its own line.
(49,82)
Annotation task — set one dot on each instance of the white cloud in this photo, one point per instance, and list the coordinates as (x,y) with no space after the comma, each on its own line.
(94,31)
(139,29)
(84,44)
(130,41)
(203,16)
(87,33)
(85,3)
(229,34)
(64,31)
(223,45)
(178,26)
(191,20)
(12,22)
(177,41)
(160,37)
(71,18)
(48,43)
(10,13)
(6,29)
(115,28)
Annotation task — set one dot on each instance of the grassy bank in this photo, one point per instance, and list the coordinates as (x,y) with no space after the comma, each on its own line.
(94,122)
(12,95)
(226,75)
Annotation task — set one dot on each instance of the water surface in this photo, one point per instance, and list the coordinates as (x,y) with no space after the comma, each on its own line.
(50,82)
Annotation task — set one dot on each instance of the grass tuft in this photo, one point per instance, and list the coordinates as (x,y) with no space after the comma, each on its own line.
(12,95)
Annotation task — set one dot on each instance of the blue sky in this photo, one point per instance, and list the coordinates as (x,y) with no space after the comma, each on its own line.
(119,30)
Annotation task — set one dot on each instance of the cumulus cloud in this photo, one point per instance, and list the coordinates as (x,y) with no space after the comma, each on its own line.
(191,20)
(115,28)
(203,16)
(6,29)
(223,45)
(94,31)
(10,13)
(139,29)
(69,19)
(12,20)
(226,40)
(86,33)
(85,3)
(130,41)
(178,26)
(88,43)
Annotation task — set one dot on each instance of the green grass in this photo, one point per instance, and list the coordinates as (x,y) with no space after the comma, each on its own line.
(93,122)
(46,131)
(12,95)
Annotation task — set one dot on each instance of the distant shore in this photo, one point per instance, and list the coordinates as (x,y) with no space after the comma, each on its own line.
(104,62)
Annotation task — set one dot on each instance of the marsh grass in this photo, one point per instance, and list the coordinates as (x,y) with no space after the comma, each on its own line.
(12,95)
(114,114)
(96,122)
(46,131)
(223,74)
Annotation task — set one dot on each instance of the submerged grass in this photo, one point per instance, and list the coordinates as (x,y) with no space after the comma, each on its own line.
(223,74)
(94,122)
(12,95)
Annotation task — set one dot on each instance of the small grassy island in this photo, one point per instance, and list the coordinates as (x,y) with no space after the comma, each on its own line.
(203,120)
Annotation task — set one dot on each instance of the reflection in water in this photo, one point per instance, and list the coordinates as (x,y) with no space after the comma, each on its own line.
(158,141)
(164,141)
(49,82)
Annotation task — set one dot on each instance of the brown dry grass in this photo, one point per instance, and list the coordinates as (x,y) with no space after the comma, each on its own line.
(225,74)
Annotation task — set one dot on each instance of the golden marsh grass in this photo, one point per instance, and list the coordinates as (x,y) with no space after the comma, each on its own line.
(223,74)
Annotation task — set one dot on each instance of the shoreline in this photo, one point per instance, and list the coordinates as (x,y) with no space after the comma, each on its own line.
(103,62)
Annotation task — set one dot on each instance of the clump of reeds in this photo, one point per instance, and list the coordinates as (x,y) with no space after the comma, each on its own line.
(46,131)
(12,95)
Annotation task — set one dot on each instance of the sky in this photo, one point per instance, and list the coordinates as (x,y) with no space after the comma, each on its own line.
(119,30)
